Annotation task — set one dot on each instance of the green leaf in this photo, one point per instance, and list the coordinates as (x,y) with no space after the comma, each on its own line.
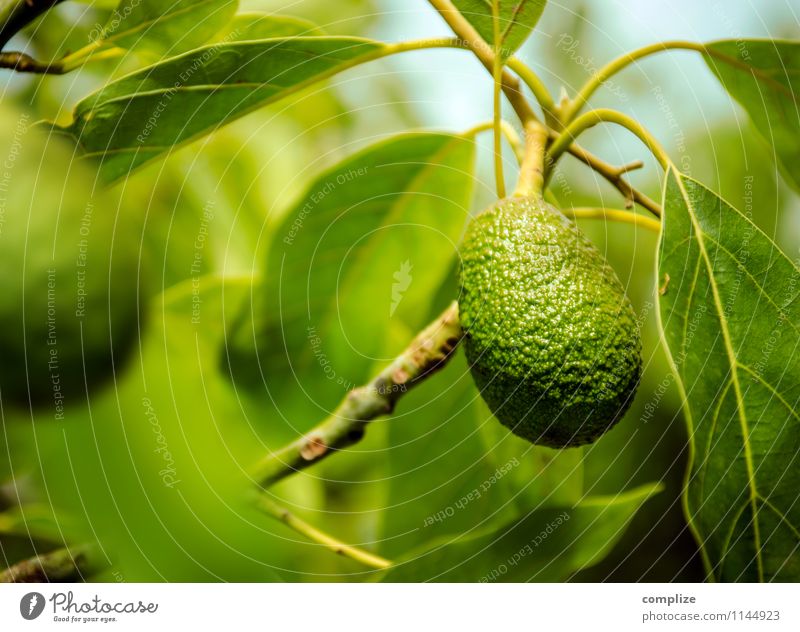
(145,114)
(368,243)
(155,469)
(730,314)
(517,20)
(546,544)
(171,26)
(452,468)
(32,521)
(260,26)
(764,77)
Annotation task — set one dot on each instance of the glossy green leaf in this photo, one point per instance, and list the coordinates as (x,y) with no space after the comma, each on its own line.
(764,77)
(366,244)
(260,26)
(547,544)
(145,114)
(517,20)
(169,26)
(730,316)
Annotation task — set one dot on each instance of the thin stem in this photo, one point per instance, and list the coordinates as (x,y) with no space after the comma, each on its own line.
(603,115)
(471,39)
(497,76)
(537,87)
(88,53)
(615,215)
(531,173)
(615,176)
(62,565)
(320,537)
(25,63)
(427,353)
(618,64)
(508,131)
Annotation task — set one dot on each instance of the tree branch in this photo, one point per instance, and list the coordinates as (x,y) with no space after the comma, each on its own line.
(61,565)
(17,14)
(25,63)
(615,176)
(428,352)
(463,29)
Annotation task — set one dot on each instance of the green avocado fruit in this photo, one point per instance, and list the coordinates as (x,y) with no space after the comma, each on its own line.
(551,339)
(68,272)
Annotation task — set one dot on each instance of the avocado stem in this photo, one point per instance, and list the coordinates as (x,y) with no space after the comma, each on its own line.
(508,131)
(427,353)
(531,173)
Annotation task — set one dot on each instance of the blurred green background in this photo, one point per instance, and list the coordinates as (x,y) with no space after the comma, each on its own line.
(96,474)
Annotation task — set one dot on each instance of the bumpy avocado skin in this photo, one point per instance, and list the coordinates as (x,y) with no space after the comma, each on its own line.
(552,340)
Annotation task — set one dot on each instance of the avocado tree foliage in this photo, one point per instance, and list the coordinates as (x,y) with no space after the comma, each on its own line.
(725,290)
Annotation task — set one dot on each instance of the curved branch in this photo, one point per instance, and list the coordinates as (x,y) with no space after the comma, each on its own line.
(605,115)
(537,87)
(508,131)
(615,215)
(613,67)
(472,40)
(17,14)
(428,352)
(61,565)
(614,175)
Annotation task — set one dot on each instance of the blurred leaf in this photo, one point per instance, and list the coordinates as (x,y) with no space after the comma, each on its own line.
(441,481)
(369,242)
(145,114)
(171,26)
(730,317)
(34,521)
(517,19)
(546,544)
(155,469)
(260,26)
(764,77)
(542,477)
(100,4)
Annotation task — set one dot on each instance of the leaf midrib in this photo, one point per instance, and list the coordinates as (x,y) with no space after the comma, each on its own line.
(733,362)
(514,14)
(146,24)
(335,69)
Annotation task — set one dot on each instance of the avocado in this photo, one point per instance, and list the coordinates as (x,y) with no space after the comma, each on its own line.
(68,272)
(551,339)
